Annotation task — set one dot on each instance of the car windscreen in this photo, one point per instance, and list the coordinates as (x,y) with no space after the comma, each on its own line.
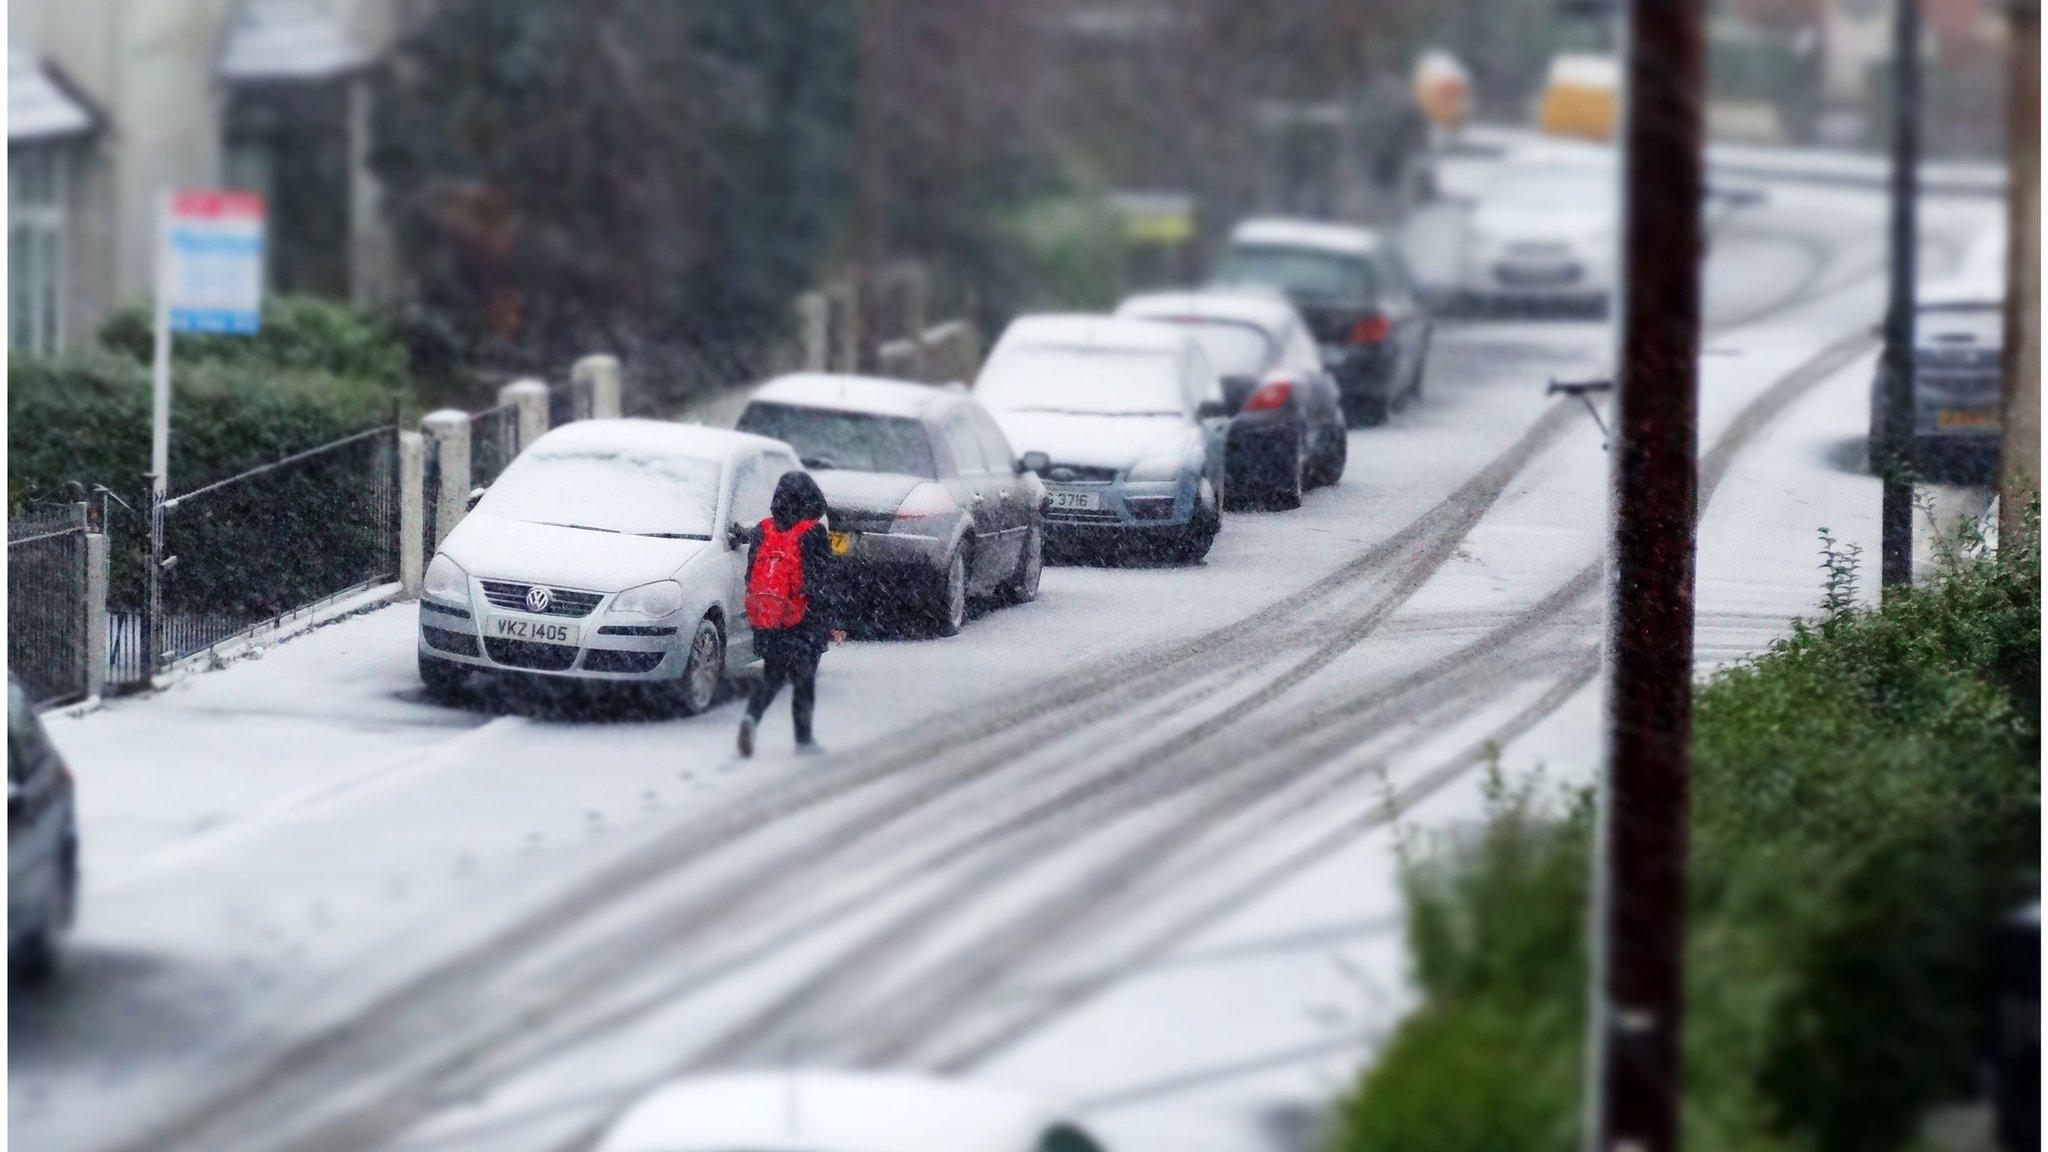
(1295,271)
(1233,348)
(635,493)
(852,441)
(1085,380)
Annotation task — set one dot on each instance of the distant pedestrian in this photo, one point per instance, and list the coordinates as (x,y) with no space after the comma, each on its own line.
(791,575)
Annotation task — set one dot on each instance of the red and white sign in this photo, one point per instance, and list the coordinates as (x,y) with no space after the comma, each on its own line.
(213,261)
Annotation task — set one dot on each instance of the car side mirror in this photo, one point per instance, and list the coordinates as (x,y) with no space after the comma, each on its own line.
(475,494)
(1211,410)
(1033,462)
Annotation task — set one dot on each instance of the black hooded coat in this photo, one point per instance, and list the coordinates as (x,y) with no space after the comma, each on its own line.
(797,497)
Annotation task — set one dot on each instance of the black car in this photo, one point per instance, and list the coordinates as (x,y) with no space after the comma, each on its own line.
(1286,432)
(1958,341)
(42,841)
(1357,297)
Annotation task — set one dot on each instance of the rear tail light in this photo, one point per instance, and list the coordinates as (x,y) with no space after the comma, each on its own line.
(1371,330)
(926,500)
(1270,395)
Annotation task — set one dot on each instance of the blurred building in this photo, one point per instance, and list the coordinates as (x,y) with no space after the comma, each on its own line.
(110,102)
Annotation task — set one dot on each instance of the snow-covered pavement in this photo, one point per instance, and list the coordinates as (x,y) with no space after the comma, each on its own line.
(1132,845)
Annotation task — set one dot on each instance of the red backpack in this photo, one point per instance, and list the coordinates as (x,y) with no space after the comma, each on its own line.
(775,584)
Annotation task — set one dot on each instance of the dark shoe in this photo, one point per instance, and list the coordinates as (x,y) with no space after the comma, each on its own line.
(746,736)
(806,745)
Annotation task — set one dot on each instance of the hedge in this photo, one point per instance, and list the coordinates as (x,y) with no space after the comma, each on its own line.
(317,373)
(1866,801)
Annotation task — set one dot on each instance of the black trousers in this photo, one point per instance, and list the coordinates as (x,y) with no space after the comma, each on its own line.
(787,656)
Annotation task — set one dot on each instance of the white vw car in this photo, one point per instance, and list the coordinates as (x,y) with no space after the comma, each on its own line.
(600,555)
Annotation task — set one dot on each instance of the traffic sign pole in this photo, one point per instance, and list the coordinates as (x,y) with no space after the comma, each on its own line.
(160,366)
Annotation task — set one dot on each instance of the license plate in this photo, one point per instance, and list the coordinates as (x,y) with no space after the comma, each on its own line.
(1077,501)
(538,631)
(1963,418)
(1537,275)
(842,543)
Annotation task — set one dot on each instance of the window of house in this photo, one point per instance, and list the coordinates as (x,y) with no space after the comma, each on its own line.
(35,249)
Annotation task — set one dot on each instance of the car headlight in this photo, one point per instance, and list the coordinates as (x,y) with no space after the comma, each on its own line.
(446,581)
(1154,469)
(661,598)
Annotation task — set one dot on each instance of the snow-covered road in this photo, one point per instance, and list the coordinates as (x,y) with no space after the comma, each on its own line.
(1132,845)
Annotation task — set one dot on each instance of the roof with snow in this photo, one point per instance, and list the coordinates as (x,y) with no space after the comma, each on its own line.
(41,104)
(817,1111)
(847,393)
(271,40)
(1317,234)
(651,438)
(1272,313)
(1082,330)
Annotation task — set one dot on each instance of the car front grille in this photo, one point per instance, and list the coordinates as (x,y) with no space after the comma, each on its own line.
(561,601)
(526,654)
(607,660)
(1539,250)
(1080,516)
(1150,507)
(1079,474)
(461,643)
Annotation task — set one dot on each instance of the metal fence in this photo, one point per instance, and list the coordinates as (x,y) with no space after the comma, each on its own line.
(493,442)
(47,591)
(252,549)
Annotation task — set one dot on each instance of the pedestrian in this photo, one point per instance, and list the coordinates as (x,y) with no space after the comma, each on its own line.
(790,586)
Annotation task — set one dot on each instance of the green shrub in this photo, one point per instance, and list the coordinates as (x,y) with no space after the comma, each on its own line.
(299,334)
(1866,797)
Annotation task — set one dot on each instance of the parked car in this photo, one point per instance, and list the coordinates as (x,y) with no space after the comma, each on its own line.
(1124,422)
(819,1111)
(1958,345)
(1354,291)
(599,555)
(42,841)
(1543,233)
(1286,431)
(927,501)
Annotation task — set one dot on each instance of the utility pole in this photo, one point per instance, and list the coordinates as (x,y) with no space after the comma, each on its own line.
(871,185)
(1894,458)
(1639,913)
(2019,478)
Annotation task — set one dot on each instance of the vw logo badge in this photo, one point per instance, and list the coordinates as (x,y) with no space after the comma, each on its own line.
(537,599)
(1061,473)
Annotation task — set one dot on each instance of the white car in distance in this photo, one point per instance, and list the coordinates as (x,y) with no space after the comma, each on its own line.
(600,555)
(1543,233)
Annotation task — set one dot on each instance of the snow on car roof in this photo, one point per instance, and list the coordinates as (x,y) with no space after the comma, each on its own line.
(1307,234)
(1078,330)
(1271,313)
(847,393)
(653,438)
(817,1111)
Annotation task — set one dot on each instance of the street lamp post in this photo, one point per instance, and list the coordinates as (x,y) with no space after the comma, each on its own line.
(1638,918)
(1893,458)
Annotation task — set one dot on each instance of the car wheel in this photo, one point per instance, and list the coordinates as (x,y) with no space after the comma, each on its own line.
(1022,587)
(443,679)
(1334,460)
(34,959)
(1292,480)
(1365,411)
(704,674)
(949,609)
(1199,536)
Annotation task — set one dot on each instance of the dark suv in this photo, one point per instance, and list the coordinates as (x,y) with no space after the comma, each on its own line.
(42,841)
